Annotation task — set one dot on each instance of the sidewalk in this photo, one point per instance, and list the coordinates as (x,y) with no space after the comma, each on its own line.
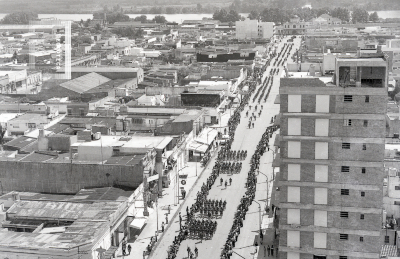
(168,198)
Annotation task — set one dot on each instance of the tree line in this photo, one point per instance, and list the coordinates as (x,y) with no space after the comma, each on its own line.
(280,16)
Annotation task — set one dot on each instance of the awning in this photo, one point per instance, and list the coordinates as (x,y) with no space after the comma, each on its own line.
(138,223)
(152,178)
(207,136)
(199,148)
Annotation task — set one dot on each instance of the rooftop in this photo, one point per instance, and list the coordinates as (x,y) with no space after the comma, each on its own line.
(85,83)
(302,82)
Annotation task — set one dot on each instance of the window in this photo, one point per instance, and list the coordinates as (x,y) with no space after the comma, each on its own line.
(81,112)
(348,98)
(362,194)
(361,239)
(31,125)
(294,149)
(321,150)
(69,111)
(294,126)
(293,238)
(344,214)
(320,218)
(343,236)
(293,172)
(293,194)
(387,239)
(321,196)
(367,98)
(344,191)
(364,147)
(397,188)
(365,123)
(322,127)
(322,103)
(293,216)
(294,103)
(347,122)
(345,145)
(342,257)
(345,169)
(293,255)
(363,170)
(321,173)
(361,216)
(320,240)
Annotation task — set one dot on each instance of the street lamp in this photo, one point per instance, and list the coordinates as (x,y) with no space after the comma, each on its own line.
(259,220)
(267,187)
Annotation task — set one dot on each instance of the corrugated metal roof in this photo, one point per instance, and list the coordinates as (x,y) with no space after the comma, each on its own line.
(47,209)
(85,83)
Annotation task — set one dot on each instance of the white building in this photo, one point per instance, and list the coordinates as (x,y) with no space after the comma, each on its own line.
(252,29)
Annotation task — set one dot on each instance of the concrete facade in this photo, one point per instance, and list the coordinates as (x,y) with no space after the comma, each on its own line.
(332,151)
(252,29)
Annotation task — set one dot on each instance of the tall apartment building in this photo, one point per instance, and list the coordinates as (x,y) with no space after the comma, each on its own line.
(253,29)
(332,151)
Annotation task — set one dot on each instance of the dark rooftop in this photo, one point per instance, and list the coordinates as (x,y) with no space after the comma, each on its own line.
(302,82)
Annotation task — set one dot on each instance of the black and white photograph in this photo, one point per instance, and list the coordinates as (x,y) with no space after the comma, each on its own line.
(185,129)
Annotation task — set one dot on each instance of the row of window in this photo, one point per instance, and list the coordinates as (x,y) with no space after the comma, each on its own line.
(321,102)
(346,145)
(346,169)
(321,126)
(320,194)
(321,172)
(321,149)
(349,98)
(349,122)
(320,239)
(347,192)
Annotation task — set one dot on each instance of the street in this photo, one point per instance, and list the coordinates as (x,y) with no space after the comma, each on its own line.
(245,139)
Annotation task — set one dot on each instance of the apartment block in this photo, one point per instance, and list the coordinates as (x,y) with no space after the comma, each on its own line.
(253,29)
(332,152)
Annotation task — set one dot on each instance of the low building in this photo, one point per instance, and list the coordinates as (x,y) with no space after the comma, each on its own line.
(92,223)
(26,122)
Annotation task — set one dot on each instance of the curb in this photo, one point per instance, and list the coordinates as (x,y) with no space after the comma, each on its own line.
(179,207)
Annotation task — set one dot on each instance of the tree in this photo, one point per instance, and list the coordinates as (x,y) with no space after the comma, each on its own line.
(159,19)
(253,15)
(220,14)
(373,17)
(360,15)
(223,16)
(142,18)
(117,17)
(199,8)
(98,27)
(87,23)
(19,18)
(14,56)
(81,39)
(341,13)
